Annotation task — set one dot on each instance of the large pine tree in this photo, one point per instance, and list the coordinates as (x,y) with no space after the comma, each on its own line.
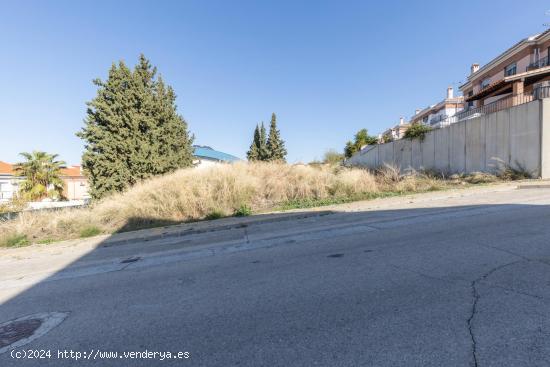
(275,145)
(132,130)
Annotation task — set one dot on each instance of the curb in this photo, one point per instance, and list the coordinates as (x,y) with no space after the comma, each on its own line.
(539,186)
(171,232)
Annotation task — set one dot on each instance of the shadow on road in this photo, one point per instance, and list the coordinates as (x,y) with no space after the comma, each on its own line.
(401,251)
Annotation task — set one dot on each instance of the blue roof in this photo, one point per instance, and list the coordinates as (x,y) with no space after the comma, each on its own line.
(209,153)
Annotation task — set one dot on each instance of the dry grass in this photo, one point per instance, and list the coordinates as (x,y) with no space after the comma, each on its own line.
(194,194)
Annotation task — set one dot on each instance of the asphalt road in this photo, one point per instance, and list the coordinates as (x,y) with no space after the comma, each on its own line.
(461,285)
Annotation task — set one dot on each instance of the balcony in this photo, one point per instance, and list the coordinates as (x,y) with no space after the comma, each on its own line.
(504,103)
(437,119)
(540,63)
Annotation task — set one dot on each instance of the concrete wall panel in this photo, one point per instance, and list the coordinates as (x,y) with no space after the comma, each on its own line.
(457,147)
(525,137)
(441,143)
(428,151)
(475,144)
(372,157)
(386,154)
(545,139)
(416,154)
(497,145)
(403,154)
(519,136)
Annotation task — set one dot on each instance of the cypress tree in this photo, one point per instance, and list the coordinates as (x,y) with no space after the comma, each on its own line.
(253,153)
(264,153)
(132,130)
(275,145)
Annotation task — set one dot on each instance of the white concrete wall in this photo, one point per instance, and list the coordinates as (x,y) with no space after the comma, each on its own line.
(517,137)
(545,138)
(8,187)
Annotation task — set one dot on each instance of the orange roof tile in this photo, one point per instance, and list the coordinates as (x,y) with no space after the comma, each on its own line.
(72,171)
(6,168)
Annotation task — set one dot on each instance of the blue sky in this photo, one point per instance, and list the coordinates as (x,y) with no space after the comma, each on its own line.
(327,68)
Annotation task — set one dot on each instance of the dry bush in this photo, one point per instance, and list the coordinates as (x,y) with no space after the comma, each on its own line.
(515,172)
(480,178)
(193,194)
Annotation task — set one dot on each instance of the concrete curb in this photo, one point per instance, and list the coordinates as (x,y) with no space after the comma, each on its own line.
(539,186)
(205,227)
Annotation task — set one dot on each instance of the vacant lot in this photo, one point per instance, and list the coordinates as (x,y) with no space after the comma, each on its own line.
(239,189)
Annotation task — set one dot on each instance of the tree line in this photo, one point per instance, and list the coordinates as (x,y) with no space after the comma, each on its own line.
(131,132)
(362,138)
(270,148)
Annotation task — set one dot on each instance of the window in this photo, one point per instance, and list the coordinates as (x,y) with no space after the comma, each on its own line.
(4,193)
(510,69)
(470,103)
(485,82)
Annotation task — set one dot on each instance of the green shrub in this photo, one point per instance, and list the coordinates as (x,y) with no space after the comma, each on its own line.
(17,240)
(417,131)
(216,214)
(243,211)
(333,157)
(89,232)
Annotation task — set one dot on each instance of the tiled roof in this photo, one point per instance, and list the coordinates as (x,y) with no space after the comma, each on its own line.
(72,171)
(6,168)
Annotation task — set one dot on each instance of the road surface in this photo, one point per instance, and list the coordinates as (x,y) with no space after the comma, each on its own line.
(461,282)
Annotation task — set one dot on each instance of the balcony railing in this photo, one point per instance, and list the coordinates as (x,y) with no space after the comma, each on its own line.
(501,104)
(540,63)
(438,119)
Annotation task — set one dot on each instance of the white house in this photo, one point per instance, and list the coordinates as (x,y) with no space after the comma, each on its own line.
(434,115)
(8,182)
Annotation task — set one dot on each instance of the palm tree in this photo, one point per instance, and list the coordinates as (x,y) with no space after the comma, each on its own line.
(41,171)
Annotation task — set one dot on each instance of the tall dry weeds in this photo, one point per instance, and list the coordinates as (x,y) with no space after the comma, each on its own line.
(192,194)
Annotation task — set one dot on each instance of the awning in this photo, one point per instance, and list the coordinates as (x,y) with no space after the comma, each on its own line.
(529,74)
(491,88)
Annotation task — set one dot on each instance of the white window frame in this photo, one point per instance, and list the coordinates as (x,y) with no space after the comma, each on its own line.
(508,68)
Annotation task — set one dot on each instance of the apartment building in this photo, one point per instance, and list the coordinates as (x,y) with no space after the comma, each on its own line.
(394,133)
(436,114)
(516,73)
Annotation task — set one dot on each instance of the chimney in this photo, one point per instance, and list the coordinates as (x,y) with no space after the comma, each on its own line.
(417,111)
(474,68)
(449,92)
(401,121)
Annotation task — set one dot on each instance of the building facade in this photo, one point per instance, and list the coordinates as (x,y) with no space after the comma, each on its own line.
(8,182)
(516,74)
(75,184)
(436,115)
(394,133)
